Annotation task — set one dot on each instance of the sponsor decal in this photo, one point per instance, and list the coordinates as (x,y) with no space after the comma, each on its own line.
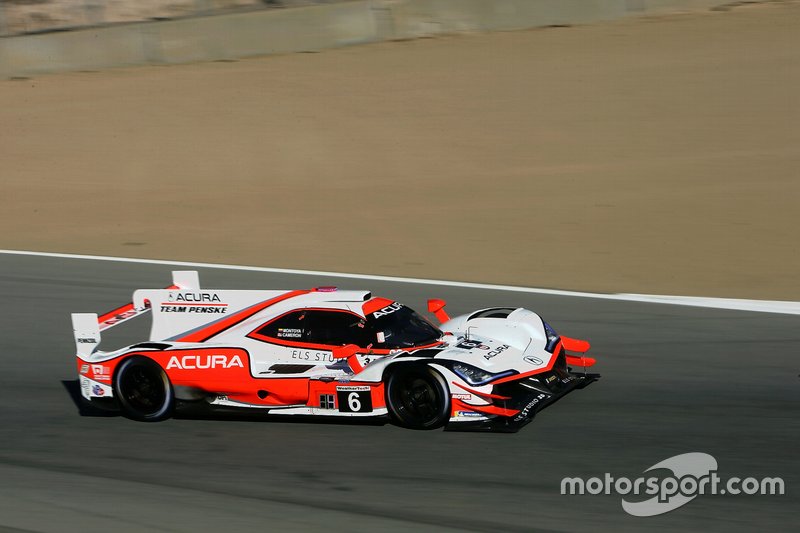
(194,302)
(97,390)
(352,388)
(472,345)
(85,386)
(196,297)
(535,361)
(550,379)
(462,396)
(120,317)
(461,414)
(84,368)
(203,362)
(101,373)
(87,340)
(497,351)
(527,409)
(388,310)
(312,355)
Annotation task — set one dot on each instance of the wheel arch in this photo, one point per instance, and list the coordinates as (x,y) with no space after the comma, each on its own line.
(120,361)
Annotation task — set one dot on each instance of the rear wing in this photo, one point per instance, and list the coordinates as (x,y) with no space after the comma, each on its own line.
(87,326)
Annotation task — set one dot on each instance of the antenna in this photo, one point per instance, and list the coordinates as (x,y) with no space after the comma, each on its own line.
(466,335)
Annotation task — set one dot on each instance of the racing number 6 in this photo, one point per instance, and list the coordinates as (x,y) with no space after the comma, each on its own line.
(353,402)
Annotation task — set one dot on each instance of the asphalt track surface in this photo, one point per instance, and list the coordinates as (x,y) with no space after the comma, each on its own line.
(675,380)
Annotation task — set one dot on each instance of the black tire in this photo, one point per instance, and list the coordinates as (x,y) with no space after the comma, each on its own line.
(417,397)
(143,390)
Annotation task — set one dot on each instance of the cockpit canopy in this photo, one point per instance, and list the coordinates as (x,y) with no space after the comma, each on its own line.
(385,325)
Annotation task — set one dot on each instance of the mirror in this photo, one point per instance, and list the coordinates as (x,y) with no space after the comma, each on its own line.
(436,307)
(343,352)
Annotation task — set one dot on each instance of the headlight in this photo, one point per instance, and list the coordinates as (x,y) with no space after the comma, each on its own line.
(552,337)
(476,376)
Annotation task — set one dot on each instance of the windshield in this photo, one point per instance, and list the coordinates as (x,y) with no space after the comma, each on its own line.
(398,326)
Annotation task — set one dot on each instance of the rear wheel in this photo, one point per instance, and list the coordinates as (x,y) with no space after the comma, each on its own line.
(143,390)
(417,397)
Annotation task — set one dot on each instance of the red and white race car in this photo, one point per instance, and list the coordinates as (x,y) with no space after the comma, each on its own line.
(328,352)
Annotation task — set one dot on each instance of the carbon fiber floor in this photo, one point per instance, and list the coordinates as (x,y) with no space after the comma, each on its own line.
(675,380)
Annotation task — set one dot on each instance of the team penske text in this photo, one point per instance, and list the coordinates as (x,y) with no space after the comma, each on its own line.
(192,309)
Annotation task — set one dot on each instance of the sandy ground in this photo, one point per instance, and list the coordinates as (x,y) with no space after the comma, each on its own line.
(655,155)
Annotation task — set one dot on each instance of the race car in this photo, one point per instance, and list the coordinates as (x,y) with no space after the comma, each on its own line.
(328,352)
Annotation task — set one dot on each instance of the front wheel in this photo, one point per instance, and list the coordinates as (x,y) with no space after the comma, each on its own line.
(417,397)
(143,390)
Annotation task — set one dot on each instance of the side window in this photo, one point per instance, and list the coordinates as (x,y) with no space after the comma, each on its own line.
(335,328)
(288,327)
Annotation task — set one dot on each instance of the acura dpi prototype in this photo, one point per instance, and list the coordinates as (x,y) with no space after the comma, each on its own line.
(328,352)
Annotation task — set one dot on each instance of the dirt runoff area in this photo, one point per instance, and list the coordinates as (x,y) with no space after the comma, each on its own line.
(656,155)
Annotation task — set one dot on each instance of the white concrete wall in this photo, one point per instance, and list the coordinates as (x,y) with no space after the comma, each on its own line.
(302,29)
